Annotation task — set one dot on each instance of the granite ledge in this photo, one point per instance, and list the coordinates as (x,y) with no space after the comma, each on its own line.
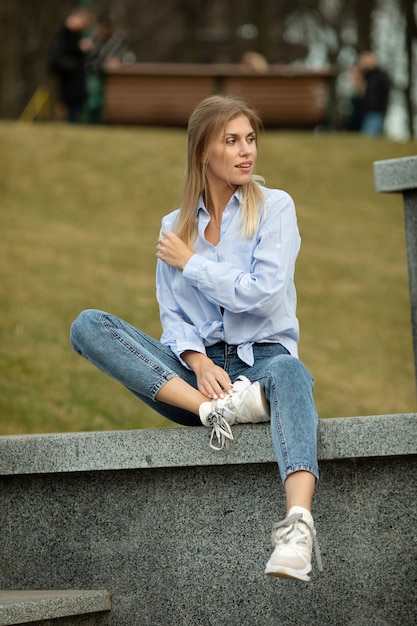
(338,438)
(396,175)
(20,607)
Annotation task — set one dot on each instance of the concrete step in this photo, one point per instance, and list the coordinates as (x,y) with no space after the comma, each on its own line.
(27,606)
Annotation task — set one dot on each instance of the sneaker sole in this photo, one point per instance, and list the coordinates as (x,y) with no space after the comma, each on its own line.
(288,573)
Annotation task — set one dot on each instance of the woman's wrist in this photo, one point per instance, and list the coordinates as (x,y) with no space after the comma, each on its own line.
(194,359)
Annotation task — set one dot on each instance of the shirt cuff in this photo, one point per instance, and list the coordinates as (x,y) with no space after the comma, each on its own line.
(193,267)
(178,350)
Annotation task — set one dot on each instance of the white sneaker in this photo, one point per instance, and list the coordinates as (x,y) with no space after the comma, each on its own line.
(247,404)
(293,539)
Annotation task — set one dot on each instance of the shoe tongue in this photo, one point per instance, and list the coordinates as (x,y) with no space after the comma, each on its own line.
(300,529)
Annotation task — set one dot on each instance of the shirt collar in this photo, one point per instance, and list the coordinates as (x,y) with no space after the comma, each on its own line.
(234,199)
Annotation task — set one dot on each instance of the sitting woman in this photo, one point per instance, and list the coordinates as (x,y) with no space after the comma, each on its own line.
(225,287)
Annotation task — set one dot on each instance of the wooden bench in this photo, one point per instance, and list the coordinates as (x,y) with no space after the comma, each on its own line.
(166,94)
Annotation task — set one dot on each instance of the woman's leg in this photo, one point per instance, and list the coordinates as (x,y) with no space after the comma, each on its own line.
(289,388)
(299,490)
(143,365)
(181,394)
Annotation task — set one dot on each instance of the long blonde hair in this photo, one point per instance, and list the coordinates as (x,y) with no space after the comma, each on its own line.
(208,118)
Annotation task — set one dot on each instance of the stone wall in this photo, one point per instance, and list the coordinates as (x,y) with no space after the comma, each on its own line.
(180,534)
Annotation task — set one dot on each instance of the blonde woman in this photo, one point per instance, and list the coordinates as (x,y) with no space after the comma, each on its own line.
(225,288)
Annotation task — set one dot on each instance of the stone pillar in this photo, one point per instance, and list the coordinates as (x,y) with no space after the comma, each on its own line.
(400,175)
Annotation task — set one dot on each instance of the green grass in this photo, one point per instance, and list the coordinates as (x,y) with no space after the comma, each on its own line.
(80,213)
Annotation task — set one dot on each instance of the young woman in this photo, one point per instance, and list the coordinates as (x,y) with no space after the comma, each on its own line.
(225,287)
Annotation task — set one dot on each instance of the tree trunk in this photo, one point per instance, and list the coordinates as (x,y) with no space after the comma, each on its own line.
(9,58)
(411,35)
(363,10)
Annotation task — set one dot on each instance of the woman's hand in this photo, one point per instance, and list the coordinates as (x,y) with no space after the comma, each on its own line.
(172,250)
(212,381)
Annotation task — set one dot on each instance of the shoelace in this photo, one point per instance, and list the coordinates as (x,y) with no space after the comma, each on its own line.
(221,430)
(288,523)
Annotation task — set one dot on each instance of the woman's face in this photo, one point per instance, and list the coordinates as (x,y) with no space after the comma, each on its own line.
(232,156)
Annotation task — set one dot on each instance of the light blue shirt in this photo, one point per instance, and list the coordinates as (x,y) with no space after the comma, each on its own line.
(251,278)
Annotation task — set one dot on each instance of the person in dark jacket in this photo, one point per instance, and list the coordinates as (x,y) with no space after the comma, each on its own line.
(374,101)
(109,51)
(67,60)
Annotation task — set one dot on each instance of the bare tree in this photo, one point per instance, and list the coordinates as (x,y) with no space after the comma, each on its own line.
(363,11)
(26,31)
(409,8)
(9,58)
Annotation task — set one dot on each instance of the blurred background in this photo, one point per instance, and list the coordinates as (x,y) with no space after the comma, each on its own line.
(311,33)
(81,203)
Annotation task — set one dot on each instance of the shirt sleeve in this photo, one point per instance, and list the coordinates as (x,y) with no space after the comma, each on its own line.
(261,288)
(178,331)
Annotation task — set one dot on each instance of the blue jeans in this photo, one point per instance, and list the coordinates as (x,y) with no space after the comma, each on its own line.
(373,123)
(144,365)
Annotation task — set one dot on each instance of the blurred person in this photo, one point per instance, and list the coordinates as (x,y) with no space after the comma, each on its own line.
(109,51)
(67,60)
(225,287)
(353,118)
(255,61)
(374,101)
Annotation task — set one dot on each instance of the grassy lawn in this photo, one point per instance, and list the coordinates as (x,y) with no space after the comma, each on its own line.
(80,213)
